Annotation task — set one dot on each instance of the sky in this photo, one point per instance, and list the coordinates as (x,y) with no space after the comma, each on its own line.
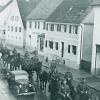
(3,2)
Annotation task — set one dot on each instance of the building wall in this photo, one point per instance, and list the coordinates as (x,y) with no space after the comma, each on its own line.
(68,39)
(14,27)
(87,42)
(96,36)
(32,33)
(3,21)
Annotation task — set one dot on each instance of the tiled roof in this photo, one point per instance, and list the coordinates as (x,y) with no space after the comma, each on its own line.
(25,7)
(95,2)
(70,11)
(44,9)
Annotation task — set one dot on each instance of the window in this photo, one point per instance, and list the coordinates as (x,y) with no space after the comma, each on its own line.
(11,28)
(52,27)
(19,29)
(15,29)
(12,18)
(46,26)
(30,24)
(38,25)
(76,29)
(70,29)
(68,48)
(41,44)
(46,43)
(51,44)
(16,18)
(65,28)
(59,27)
(74,49)
(35,24)
(73,29)
(56,44)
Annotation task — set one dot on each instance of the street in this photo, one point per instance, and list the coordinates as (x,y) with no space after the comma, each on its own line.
(5,92)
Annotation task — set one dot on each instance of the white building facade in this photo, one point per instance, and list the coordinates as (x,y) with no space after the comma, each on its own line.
(13,18)
(95,67)
(63,40)
(34,28)
(14,27)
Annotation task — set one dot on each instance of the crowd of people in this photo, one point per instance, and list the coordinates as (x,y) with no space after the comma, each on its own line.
(61,87)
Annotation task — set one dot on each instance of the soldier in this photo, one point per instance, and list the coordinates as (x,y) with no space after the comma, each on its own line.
(65,91)
(68,76)
(82,89)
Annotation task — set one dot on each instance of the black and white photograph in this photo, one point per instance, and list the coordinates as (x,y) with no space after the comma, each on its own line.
(49,49)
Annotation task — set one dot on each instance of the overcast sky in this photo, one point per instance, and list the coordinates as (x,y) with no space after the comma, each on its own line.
(2,2)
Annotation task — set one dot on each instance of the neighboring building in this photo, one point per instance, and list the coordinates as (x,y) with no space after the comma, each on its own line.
(15,24)
(3,22)
(64,32)
(92,37)
(36,23)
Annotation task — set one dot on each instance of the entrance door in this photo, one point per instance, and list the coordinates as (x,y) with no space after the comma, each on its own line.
(62,49)
(97,67)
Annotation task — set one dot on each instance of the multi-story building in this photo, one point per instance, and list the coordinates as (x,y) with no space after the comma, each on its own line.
(36,22)
(91,38)
(15,23)
(55,29)
(64,32)
(3,19)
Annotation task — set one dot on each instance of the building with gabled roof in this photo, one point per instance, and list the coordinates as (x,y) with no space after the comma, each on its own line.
(15,27)
(63,38)
(36,20)
(55,29)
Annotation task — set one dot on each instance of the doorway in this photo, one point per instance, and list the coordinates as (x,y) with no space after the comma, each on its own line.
(97,60)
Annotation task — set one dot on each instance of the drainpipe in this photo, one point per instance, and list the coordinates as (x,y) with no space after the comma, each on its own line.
(95,61)
(81,44)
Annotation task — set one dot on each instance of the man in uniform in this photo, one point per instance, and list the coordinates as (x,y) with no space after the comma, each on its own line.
(69,78)
(82,89)
(65,91)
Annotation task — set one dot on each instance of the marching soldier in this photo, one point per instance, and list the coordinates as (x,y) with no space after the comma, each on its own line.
(68,76)
(65,91)
(83,90)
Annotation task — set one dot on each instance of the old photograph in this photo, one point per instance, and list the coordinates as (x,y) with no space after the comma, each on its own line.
(49,50)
